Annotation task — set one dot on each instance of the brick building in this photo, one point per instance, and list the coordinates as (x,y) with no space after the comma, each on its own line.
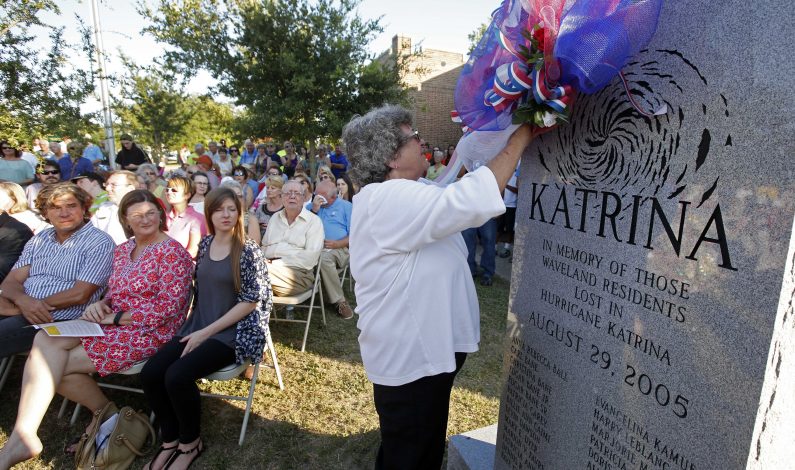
(431,76)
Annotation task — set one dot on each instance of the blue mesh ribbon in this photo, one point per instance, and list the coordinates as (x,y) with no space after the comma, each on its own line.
(594,40)
(598,37)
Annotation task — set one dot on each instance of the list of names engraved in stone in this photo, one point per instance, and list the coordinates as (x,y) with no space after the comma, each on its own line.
(527,398)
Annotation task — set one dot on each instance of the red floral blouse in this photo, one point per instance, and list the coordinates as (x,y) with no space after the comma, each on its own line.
(154,289)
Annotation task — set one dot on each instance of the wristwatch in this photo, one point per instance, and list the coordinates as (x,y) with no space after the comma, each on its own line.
(117,318)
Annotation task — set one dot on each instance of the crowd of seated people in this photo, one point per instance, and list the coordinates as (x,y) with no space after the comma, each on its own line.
(124,249)
(74,270)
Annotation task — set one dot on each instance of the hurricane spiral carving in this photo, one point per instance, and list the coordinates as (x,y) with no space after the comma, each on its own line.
(609,145)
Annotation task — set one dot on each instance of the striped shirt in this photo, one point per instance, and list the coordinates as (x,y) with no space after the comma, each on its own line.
(87,255)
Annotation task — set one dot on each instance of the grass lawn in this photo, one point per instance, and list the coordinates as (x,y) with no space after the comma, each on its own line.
(324,419)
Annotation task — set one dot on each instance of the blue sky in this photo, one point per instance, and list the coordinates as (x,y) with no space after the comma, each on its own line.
(438,24)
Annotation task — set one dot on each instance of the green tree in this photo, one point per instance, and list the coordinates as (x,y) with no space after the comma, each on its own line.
(474,36)
(40,90)
(152,107)
(300,68)
(209,120)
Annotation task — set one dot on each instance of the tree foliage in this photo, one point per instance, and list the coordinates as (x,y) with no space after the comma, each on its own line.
(299,67)
(474,36)
(153,107)
(209,120)
(40,89)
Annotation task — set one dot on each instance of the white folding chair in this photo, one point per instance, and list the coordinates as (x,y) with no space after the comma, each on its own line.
(233,370)
(297,300)
(344,275)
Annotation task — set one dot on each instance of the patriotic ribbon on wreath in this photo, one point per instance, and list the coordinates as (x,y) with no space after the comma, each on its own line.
(457,119)
(579,50)
(558,98)
(511,82)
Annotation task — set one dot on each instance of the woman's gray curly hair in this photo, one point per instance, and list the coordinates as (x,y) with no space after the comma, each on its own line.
(142,169)
(372,140)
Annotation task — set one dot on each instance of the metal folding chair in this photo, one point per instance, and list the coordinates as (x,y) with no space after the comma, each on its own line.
(344,275)
(297,300)
(5,366)
(226,373)
(5,369)
(234,370)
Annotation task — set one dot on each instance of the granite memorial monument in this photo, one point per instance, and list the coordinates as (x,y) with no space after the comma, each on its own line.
(651,321)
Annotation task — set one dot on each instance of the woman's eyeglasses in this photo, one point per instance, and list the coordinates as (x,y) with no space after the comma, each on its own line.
(415,135)
(146,215)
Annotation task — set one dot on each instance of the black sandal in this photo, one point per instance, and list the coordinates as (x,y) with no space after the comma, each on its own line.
(198,449)
(160,451)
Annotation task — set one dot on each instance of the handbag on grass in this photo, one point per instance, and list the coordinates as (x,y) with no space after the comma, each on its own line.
(113,439)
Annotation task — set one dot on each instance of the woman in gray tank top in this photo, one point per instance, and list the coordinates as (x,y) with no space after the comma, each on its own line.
(232,303)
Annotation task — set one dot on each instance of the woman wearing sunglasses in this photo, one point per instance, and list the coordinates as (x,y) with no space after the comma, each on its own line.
(324,173)
(240,174)
(185,225)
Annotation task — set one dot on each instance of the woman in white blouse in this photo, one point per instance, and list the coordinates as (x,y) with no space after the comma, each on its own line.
(415,334)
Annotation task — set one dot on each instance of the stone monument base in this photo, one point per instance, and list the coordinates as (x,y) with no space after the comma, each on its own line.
(473,450)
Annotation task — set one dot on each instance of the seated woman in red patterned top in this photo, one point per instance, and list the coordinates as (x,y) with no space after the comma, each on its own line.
(145,305)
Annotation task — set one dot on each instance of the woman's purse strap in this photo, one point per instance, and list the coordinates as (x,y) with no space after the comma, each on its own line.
(123,439)
(130,414)
(85,448)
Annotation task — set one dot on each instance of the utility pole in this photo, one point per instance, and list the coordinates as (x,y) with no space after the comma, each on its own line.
(110,142)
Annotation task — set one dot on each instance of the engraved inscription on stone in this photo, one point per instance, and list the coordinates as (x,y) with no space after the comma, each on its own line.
(528,400)
(651,321)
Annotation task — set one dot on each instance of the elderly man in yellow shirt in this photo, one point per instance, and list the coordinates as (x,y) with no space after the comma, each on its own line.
(292,243)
